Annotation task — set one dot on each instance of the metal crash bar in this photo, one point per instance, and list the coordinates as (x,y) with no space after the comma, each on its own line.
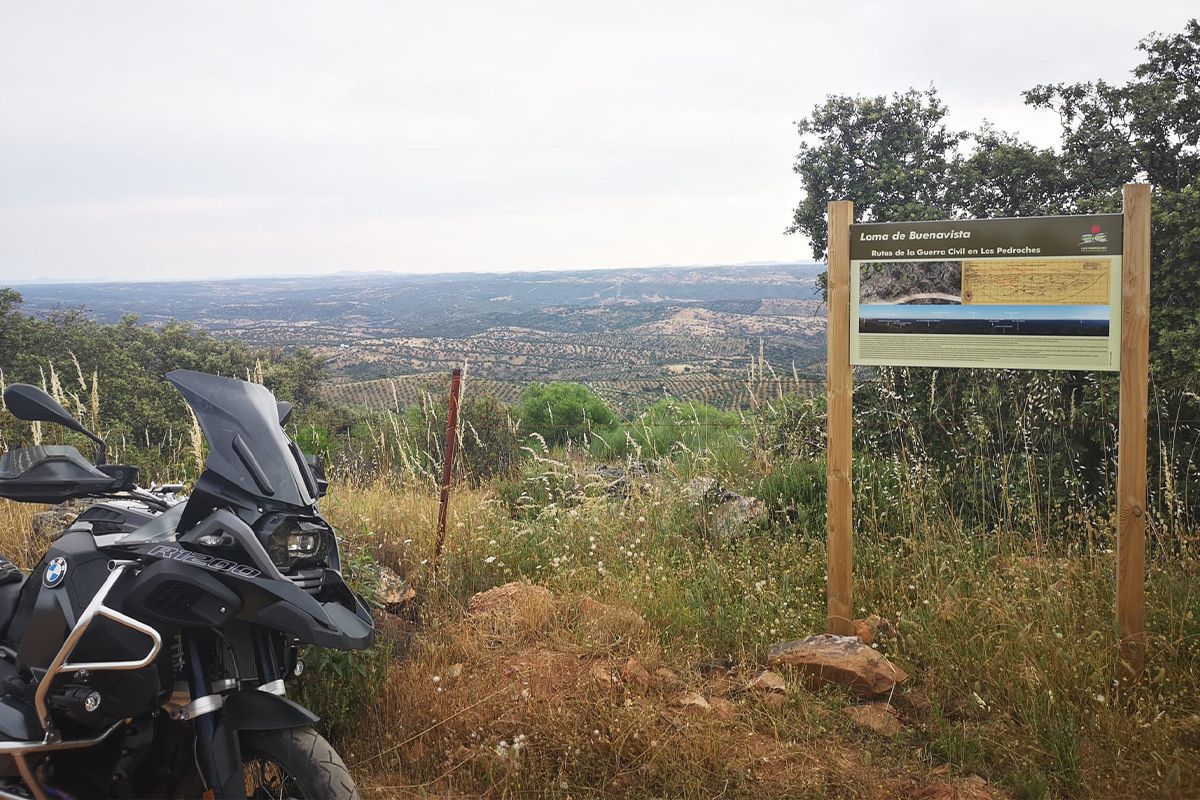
(60,664)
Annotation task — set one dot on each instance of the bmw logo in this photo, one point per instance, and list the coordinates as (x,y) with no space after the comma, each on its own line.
(56,570)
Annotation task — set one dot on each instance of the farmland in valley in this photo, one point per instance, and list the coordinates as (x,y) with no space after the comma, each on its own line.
(634,335)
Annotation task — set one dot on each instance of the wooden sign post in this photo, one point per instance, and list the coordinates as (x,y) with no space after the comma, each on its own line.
(1075,267)
(839,393)
(1131,439)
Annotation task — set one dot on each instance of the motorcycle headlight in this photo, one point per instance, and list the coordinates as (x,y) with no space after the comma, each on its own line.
(298,541)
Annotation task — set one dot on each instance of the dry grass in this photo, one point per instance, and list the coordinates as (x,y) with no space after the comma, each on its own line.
(530,706)
(16,542)
(1004,621)
(1011,652)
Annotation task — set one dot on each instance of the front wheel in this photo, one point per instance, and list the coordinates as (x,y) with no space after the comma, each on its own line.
(294,764)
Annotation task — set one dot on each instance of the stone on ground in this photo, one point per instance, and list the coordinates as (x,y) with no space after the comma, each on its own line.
(873,628)
(667,676)
(732,517)
(509,597)
(635,673)
(722,708)
(617,479)
(840,660)
(394,591)
(604,673)
(716,665)
(970,788)
(768,681)
(729,512)
(708,490)
(693,701)
(878,717)
(613,621)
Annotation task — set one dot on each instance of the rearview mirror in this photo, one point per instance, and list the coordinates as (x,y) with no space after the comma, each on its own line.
(33,405)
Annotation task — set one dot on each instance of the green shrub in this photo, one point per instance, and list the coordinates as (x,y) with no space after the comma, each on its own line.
(338,684)
(669,427)
(559,412)
(794,427)
(489,440)
(795,495)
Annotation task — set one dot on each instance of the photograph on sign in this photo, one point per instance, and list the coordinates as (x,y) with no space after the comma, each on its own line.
(1039,293)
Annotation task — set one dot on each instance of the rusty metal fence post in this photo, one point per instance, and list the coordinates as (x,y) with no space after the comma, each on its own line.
(447,465)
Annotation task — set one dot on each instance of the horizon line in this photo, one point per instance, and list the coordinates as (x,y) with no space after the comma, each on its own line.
(39,283)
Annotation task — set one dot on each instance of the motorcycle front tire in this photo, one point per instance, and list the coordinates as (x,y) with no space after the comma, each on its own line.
(297,760)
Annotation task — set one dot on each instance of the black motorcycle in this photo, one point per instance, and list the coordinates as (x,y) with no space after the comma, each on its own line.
(146,654)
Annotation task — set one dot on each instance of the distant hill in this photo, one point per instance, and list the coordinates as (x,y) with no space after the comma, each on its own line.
(621,325)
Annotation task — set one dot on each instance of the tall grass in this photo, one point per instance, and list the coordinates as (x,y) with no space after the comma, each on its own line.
(1012,650)
(983,531)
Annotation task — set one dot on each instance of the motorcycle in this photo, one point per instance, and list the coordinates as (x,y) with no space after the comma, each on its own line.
(147,653)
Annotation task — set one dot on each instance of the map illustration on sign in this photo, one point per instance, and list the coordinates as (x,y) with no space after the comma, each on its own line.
(1082,282)
(1036,293)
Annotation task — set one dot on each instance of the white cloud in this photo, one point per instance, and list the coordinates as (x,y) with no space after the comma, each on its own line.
(224,137)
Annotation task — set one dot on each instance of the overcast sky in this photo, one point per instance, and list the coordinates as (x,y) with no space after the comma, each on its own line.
(169,139)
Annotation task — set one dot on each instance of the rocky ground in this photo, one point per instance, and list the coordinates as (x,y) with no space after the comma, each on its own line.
(485,700)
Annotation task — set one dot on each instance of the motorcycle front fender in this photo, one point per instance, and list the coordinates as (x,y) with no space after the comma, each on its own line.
(252,710)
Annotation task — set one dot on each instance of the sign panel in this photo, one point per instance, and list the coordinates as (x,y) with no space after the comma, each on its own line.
(1025,293)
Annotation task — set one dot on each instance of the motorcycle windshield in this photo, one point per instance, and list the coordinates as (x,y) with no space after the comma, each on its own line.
(246,443)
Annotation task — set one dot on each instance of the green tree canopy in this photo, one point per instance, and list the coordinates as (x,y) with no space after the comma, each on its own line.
(111,375)
(896,153)
(898,159)
(560,411)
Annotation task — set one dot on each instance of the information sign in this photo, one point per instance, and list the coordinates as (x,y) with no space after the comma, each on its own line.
(1027,293)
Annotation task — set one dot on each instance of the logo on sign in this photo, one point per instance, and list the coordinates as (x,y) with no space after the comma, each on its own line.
(1096,236)
(56,570)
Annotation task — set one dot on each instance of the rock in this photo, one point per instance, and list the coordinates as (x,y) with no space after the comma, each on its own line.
(842,660)
(613,620)
(731,517)
(708,490)
(50,524)
(636,674)
(878,717)
(610,474)
(730,511)
(717,665)
(667,676)
(618,478)
(768,681)
(972,787)
(394,591)
(508,597)
(604,673)
(722,708)
(591,610)
(693,701)
(873,629)
(914,704)
(776,699)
